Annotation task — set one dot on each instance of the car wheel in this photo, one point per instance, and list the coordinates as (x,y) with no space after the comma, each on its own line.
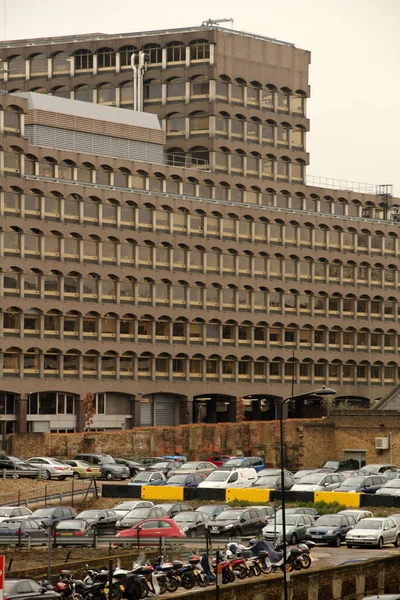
(380,543)
(193,533)
(62,478)
(349,545)
(293,539)
(76,475)
(338,541)
(46,475)
(397,541)
(109,476)
(237,532)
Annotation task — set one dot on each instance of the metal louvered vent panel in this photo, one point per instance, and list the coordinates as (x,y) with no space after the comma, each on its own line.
(101,145)
(146,413)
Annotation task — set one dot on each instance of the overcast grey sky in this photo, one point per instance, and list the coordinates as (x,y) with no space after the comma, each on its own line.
(355,62)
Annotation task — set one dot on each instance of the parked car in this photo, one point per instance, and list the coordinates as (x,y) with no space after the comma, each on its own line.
(82,469)
(24,589)
(73,528)
(194,468)
(51,515)
(124,507)
(173,509)
(396,519)
(51,467)
(341,465)
(150,528)
(150,460)
(303,472)
(133,466)
(17,468)
(108,467)
(212,510)
(241,462)
(133,517)
(368,484)
(164,466)
(296,527)
(389,474)
(218,459)
(14,512)
(20,529)
(314,482)
(185,480)
(374,532)
(237,522)
(301,510)
(178,458)
(103,520)
(331,529)
(357,514)
(193,523)
(267,511)
(271,479)
(390,488)
(378,468)
(221,478)
(148,478)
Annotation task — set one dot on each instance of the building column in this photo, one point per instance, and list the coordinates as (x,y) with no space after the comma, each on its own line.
(80,414)
(186,411)
(134,406)
(232,411)
(21,412)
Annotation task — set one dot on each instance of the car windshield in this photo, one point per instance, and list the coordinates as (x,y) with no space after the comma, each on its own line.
(42,512)
(328,520)
(137,513)
(4,512)
(229,515)
(266,481)
(369,524)
(290,519)
(190,465)
(89,514)
(71,524)
(14,459)
(352,481)
(10,525)
(58,463)
(82,463)
(233,462)
(331,464)
(106,459)
(207,509)
(185,517)
(218,476)
(177,479)
(310,479)
(161,465)
(142,477)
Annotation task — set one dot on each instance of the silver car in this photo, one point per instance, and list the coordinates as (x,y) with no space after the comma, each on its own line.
(374,532)
(390,488)
(51,467)
(123,508)
(358,514)
(314,482)
(195,467)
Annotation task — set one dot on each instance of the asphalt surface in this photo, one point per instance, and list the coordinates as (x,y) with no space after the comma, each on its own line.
(328,556)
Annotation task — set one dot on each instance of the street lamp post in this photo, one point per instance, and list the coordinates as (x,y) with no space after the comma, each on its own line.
(311,395)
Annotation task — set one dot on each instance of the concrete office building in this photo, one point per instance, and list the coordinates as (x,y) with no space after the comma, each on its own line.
(173,266)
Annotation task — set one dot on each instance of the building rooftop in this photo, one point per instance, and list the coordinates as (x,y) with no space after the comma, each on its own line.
(89,110)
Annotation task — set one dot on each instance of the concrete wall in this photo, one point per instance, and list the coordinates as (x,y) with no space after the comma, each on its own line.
(308,442)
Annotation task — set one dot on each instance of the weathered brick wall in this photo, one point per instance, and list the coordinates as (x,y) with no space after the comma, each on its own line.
(308,442)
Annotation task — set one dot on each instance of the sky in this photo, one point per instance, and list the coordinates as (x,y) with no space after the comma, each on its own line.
(354,72)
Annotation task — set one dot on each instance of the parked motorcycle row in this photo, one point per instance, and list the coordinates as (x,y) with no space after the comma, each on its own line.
(147,579)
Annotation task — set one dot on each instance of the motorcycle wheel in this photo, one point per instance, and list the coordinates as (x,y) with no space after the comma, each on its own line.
(116,592)
(144,589)
(228,576)
(256,569)
(188,581)
(306,562)
(242,571)
(163,587)
(266,568)
(298,565)
(172,584)
(202,580)
(77,597)
(99,596)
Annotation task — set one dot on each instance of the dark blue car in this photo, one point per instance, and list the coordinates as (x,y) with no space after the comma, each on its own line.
(244,462)
(186,480)
(367,484)
(330,529)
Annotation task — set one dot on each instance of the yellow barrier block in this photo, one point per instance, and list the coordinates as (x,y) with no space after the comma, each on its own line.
(250,495)
(346,498)
(162,492)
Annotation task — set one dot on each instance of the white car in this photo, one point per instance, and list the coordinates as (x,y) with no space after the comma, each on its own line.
(123,508)
(225,478)
(377,532)
(358,514)
(316,482)
(51,467)
(14,512)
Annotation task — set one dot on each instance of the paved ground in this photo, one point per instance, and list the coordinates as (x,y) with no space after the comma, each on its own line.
(325,555)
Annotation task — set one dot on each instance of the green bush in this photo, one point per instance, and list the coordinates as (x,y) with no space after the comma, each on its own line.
(322,507)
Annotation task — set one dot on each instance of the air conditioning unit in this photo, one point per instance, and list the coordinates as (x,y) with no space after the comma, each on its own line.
(382,443)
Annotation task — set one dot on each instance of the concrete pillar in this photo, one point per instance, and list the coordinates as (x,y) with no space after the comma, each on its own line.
(21,410)
(135,412)
(232,411)
(80,414)
(186,410)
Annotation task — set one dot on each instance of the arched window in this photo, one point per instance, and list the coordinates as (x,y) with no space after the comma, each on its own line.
(200,156)
(16,67)
(60,91)
(84,93)
(176,52)
(105,59)
(38,65)
(61,63)
(12,120)
(176,90)
(152,91)
(12,161)
(199,87)
(221,88)
(199,51)
(83,61)
(125,54)
(154,53)
(126,94)
(106,94)
(175,125)
(297,102)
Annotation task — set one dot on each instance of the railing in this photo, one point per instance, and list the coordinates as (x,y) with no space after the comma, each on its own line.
(54,494)
(187,162)
(341,184)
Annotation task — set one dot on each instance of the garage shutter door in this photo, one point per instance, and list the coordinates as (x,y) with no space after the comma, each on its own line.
(165,411)
(146,413)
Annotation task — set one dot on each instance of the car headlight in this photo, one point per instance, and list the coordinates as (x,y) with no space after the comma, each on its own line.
(118,523)
(329,532)
(370,537)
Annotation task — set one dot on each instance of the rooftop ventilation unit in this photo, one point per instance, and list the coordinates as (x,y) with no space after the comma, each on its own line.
(382,443)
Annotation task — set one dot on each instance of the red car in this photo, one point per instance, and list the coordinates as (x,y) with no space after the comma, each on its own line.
(151,528)
(219,459)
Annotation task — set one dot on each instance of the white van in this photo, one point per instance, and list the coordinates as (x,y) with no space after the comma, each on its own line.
(224,478)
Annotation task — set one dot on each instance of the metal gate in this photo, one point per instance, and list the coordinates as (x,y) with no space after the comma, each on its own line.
(165,410)
(146,412)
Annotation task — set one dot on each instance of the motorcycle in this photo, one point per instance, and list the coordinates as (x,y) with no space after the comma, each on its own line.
(225,567)
(184,574)
(76,589)
(202,579)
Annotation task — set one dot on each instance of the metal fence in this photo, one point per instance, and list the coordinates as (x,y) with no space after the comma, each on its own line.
(53,493)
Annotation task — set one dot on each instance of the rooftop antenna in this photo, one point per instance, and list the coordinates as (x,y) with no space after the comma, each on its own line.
(212,22)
